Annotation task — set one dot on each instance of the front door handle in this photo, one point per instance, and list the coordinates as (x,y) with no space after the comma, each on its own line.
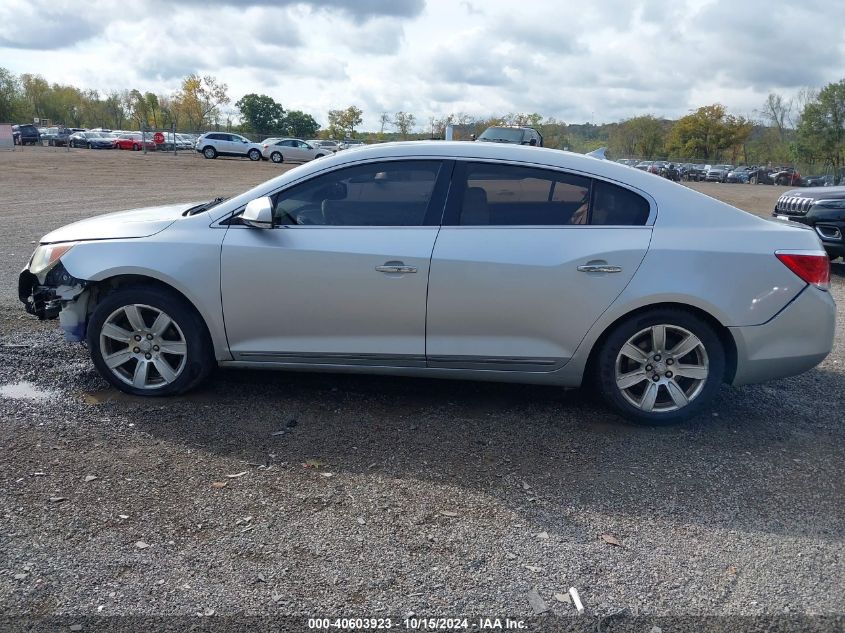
(599,268)
(395,267)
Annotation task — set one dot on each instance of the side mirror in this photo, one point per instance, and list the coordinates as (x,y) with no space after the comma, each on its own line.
(259,213)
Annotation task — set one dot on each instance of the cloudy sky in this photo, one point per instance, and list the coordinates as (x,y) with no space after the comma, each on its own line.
(590,60)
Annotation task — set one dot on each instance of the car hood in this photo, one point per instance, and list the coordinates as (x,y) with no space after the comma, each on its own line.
(817,193)
(121,225)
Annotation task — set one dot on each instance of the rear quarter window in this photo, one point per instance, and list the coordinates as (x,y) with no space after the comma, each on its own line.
(616,206)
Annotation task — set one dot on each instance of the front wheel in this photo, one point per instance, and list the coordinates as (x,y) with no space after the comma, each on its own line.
(149,342)
(660,367)
(254,155)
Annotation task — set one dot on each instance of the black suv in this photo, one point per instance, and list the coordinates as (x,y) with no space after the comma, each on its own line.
(26,134)
(512,134)
(821,208)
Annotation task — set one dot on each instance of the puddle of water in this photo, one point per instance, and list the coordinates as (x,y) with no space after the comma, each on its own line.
(25,391)
(113,395)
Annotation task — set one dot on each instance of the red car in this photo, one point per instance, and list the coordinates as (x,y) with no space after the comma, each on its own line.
(788,176)
(135,142)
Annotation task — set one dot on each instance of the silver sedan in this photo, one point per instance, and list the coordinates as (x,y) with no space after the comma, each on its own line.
(293,150)
(451,260)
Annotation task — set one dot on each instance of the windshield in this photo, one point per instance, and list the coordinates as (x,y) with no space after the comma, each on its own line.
(502,134)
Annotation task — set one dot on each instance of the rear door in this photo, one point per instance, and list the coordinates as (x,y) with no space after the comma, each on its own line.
(526,262)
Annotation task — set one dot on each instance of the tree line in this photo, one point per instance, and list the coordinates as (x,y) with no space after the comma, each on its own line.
(809,129)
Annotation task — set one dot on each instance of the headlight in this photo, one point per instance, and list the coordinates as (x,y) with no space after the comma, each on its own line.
(831,204)
(47,256)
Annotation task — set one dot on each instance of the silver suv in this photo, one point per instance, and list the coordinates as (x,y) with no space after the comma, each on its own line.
(512,134)
(214,144)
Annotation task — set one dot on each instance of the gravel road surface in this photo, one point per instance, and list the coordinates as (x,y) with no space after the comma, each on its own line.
(326,495)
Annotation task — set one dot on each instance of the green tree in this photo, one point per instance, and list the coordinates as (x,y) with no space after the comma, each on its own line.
(261,113)
(703,134)
(197,104)
(641,136)
(342,123)
(300,124)
(12,105)
(404,123)
(821,129)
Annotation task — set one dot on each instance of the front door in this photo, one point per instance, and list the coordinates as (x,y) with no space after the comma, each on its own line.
(343,275)
(526,262)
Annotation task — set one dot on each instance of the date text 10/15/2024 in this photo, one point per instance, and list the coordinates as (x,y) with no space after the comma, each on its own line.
(416,624)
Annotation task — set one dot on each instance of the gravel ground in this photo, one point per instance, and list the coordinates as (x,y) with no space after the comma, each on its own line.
(325,495)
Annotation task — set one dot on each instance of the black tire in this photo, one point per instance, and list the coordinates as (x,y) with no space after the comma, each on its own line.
(209,152)
(199,359)
(319,156)
(277,157)
(254,155)
(606,365)
(89,145)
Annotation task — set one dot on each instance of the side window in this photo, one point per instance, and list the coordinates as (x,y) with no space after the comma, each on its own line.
(506,195)
(215,137)
(613,205)
(395,193)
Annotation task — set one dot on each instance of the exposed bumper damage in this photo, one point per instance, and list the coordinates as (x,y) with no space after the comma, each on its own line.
(57,295)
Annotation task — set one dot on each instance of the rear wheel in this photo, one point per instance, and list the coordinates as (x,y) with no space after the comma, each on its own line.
(135,147)
(660,367)
(209,152)
(149,342)
(276,157)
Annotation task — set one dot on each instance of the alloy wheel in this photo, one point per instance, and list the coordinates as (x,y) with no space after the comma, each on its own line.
(143,346)
(662,368)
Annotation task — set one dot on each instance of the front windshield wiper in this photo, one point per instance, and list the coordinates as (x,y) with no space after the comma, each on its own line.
(205,206)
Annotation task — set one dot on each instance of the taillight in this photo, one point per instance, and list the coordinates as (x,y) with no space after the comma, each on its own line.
(811,266)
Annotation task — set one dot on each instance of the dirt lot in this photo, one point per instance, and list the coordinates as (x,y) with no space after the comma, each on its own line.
(376,497)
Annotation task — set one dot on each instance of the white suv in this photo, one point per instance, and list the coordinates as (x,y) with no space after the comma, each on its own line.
(214,144)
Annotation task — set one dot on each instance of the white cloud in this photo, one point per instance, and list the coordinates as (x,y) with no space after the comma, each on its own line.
(601,60)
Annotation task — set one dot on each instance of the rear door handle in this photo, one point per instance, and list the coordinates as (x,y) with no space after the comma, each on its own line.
(395,267)
(599,268)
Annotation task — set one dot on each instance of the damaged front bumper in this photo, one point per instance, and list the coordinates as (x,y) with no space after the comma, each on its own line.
(58,295)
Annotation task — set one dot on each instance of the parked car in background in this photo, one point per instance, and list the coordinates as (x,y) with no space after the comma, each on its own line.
(60,138)
(350,264)
(135,141)
(718,173)
(48,134)
(354,144)
(628,162)
(788,176)
(696,172)
(280,150)
(325,144)
(761,176)
(214,144)
(92,140)
(825,180)
(515,134)
(643,165)
(740,174)
(671,172)
(25,134)
(823,210)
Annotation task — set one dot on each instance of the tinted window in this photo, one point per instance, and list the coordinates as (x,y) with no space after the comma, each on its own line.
(395,193)
(504,195)
(614,205)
